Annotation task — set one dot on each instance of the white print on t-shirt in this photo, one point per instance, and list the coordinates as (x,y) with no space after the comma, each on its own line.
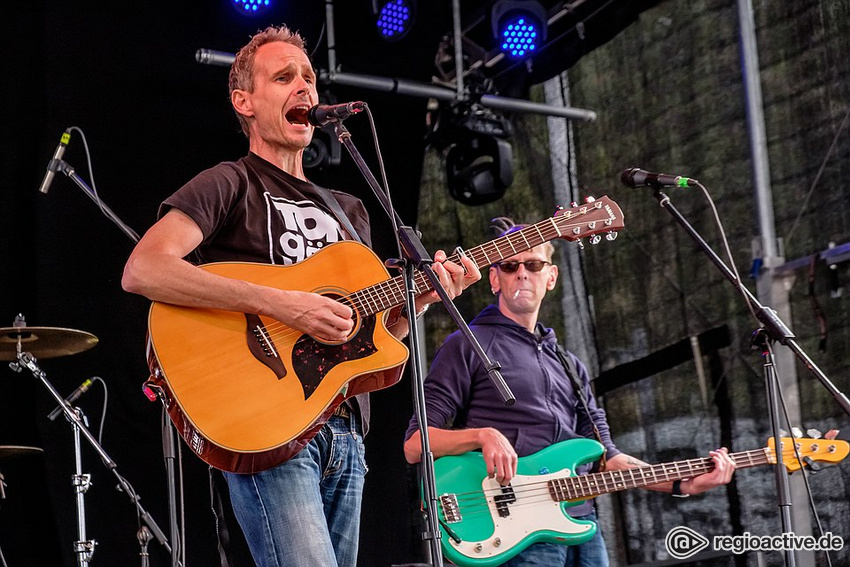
(299,230)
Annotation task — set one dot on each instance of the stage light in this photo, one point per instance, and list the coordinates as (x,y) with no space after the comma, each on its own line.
(473,141)
(519,27)
(479,168)
(252,7)
(395,18)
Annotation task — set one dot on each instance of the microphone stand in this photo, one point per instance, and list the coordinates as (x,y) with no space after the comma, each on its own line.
(2,497)
(85,548)
(773,329)
(67,169)
(167,430)
(417,258)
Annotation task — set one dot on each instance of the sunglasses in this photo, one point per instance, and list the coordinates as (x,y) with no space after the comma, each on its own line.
(530,265)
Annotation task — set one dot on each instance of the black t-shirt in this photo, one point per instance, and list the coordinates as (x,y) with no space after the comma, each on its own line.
(252,211)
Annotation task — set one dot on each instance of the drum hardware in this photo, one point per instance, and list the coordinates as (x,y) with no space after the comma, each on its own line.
(8,452)
(50,342)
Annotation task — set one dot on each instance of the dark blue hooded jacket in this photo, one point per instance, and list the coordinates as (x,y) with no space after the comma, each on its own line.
(459,393)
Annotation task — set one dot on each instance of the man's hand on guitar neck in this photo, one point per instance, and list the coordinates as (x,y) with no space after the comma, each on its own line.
(453,277)
(724,468)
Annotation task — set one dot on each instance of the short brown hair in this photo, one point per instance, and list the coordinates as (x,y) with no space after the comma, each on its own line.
(242,69)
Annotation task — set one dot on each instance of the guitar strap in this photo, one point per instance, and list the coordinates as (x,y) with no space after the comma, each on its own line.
(570,369)
(329,199)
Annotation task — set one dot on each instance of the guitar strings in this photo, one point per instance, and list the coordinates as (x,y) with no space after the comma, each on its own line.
(475,502)
(373,296)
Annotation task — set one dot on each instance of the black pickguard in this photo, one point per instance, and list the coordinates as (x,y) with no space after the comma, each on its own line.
(312,360)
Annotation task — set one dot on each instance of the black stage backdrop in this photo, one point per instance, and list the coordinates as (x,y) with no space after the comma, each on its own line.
(153,117)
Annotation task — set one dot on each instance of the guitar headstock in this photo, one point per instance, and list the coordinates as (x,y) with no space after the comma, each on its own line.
(593,218)
(817,450)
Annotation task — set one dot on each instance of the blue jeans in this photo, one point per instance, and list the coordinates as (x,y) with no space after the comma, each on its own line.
(591,553)
(306,511)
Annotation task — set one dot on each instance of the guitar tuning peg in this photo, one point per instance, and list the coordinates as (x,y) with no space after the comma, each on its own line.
(796,432)
(580,244)
(558,209)
(589,199)
(595,239)
(610,235)
(814,433)
(573,204)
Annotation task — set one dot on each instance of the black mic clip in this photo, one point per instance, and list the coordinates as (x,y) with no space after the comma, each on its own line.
(636,177)
(75,395)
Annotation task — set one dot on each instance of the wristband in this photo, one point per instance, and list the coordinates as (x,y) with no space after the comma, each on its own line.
(677,490)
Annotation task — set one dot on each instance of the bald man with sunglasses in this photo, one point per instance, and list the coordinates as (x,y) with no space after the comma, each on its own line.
(466,413)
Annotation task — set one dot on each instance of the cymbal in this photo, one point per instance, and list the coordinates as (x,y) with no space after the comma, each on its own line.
(9,451)
(43,342)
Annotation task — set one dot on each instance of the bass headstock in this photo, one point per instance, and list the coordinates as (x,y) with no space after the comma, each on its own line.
(809,449)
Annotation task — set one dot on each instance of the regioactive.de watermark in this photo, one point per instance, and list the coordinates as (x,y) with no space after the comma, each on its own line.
(683,542)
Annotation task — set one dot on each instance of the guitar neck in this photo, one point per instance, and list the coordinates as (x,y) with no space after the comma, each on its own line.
(588,486)
(571,225)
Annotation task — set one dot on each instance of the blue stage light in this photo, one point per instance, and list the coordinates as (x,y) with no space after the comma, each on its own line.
(519,27)
(395,19)
(252,7)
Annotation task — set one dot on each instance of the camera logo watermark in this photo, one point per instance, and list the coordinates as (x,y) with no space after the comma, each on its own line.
(683,542)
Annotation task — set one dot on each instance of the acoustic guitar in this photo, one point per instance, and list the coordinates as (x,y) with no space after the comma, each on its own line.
(247,393)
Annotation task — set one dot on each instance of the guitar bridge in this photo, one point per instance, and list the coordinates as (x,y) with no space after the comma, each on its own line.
(262,347)
(451,510)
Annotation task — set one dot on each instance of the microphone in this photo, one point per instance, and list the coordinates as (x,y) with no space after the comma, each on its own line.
(213,57)
(321,114)
(53,164)
(75,395)
(636,177)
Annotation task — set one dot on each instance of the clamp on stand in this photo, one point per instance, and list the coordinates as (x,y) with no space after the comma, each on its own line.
(83,548)
(2,497)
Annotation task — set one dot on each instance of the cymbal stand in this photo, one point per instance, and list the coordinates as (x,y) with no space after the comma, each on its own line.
(82,482)
(144,536)
(83,548)
(2,497)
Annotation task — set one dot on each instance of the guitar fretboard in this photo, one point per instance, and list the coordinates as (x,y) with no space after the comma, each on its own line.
(572,224)
(591,485)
